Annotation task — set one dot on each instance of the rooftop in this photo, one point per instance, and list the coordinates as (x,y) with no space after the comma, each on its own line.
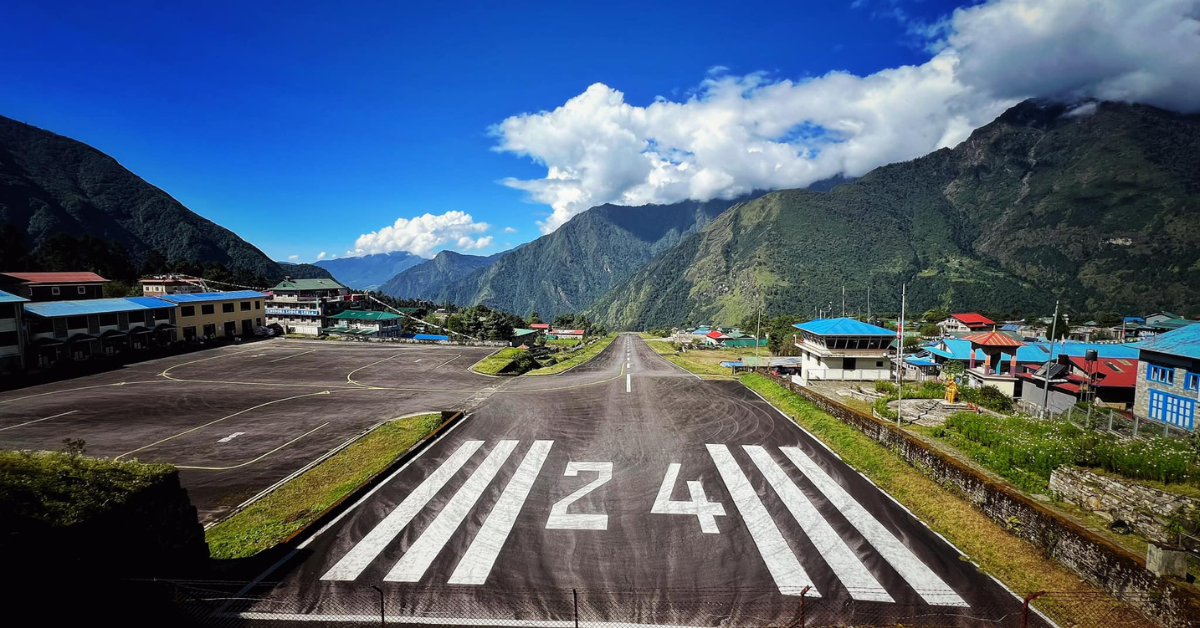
(83,307)
(309,284)
(520,331)
(971,318)
(1184,342)
(204,297)
(993,339)
(359,315)
(11,298)
(842,327)
(45,278)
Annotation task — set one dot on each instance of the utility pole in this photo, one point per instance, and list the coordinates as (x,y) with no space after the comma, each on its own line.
(843,300)
(868,300)
(757,332)
(1049,362)
(900,360)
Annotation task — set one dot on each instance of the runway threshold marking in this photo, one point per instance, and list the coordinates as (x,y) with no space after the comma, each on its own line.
(38,420)
(250,462)
(858,581)
(927,584)
(480,557)
(365,551)
(215,421)
(781,561)
(292,356)
(421,553)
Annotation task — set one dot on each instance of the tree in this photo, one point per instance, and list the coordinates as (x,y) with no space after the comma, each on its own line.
(1060,329)
(929,329)
(934,316)
(953,368)
(534,318)
(911,342)
(1108,319)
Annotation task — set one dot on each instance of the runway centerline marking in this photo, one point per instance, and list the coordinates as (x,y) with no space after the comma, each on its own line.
(38,420)
(365,551)
(291,356)
(230,437)
(426,548)
(628,383)
(846,566)
(477,563)
(781,561)
(928,585)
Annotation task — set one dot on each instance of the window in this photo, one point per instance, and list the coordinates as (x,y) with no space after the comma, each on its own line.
(210,330)
(189,333)
(76,322)
(245,306)
(137,317)
(1172,409)
(849,364)
(8,338)
(258,305)
(1191,381)
(1160,374)
(227,308)
(40,326)
(207,309)
(108,318)
(55,290)
(81,290)
(879,365)
(187,310)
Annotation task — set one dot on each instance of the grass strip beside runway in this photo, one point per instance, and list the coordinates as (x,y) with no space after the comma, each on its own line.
(273,518)
(576,358)
(1016,563)
(698,361)
(497,362)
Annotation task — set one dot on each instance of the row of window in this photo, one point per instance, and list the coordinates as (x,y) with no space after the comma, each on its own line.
(210,308)
(57,290)
(1172,409)
(1166,376)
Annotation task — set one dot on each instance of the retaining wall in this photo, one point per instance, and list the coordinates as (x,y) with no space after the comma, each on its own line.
(1097,560)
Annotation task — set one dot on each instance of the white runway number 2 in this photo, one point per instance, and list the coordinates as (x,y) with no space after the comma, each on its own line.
(560,519)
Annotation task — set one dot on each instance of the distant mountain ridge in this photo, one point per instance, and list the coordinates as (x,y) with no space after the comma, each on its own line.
(426,280)
(1098,210)
(304,271)
(52,184)
(369,272)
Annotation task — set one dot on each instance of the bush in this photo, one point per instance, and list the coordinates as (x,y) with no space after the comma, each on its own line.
(989,397)
(885,386)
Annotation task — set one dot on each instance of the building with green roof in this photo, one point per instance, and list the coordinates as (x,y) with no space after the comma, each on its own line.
(362,323)
(303,306)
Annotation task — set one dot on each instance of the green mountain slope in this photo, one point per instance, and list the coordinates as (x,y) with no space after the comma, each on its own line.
(51,184)
(1100,210)
(304,271)
(569,268)
(426,280)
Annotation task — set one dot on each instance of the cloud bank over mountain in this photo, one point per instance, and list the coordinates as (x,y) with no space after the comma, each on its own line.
(423,235)
(736,134)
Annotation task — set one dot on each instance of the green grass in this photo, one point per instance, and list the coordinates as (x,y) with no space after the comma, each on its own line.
(562,343)
(1018,564)
(577,357)
(294,505)
(61,490)
(701,361)
(498,361)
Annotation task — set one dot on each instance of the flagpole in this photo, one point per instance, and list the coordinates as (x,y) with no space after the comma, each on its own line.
(900,361)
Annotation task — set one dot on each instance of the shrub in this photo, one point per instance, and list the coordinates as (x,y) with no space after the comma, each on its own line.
(885,386)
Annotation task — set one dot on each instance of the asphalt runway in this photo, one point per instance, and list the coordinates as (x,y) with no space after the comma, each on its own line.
(240,418)
(636,493)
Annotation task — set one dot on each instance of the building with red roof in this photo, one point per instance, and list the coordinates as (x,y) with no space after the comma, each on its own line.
(67,286)
(1108,382)
(542,327)
(966,323)
(994,344)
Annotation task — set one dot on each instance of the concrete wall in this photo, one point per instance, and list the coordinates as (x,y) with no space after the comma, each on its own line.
(1120,572)
(1147,511)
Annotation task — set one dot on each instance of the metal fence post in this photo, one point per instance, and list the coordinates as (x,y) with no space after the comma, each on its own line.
(803,605)
(575,600)
(1110,418)
(1025,608)
(382,616)
(1135,425)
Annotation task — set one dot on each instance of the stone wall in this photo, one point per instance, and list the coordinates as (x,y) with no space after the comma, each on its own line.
(1167,602)
(1146,511)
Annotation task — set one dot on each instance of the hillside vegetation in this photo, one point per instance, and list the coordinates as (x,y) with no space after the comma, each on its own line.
(1098,210)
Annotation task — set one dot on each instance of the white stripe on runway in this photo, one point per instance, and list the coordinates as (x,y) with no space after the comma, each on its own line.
(230,437)
(291,356)
(853,574)
(628,383)
(38,420)
(477,563)
(422,552)
(789,576)
(361,555)
(928,585)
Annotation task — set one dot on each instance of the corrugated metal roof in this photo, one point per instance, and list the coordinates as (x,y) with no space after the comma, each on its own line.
(971,318)
(204,297)
(359,315)
(1184,341)
(73,277)
(430,337)
(11,298)
(842,327)
(309,284)
(520,331)
(993,339)
(50,309)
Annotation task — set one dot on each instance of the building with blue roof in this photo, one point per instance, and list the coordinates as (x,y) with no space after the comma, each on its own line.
(12,333)
(215,315)
(843,349)
(57,331)
(1168,383)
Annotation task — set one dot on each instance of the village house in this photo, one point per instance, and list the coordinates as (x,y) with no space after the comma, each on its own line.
(843,349)
(217,314)
(169,284)
(302,306)
(1168,381)
(362,324)
(958,324)
(76,330)
(66,286)
(1104,381)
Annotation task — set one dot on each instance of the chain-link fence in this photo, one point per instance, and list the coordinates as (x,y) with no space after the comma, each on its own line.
(229,604)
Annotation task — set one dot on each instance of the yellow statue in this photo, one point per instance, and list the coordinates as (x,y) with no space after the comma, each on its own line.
(951,390)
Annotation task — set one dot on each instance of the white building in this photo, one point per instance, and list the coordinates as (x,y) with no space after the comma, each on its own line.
(843,349)
(12,345)
(303,306)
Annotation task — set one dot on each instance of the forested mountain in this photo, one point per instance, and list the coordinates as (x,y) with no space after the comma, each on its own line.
(370,271)
(1099,206)
(569,268)
(304,271)
(52,185)
(427,279)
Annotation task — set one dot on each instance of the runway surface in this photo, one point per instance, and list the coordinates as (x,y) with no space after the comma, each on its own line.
(637,493)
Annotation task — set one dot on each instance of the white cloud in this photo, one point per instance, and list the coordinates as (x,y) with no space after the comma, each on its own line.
(736,134)
(509,230)
(321,256)
(292,258)
(421,235)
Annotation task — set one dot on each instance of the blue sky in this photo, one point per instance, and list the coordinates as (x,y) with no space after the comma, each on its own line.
(302,126)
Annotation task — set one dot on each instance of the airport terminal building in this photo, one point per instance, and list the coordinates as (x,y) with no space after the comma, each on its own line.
(303,306)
